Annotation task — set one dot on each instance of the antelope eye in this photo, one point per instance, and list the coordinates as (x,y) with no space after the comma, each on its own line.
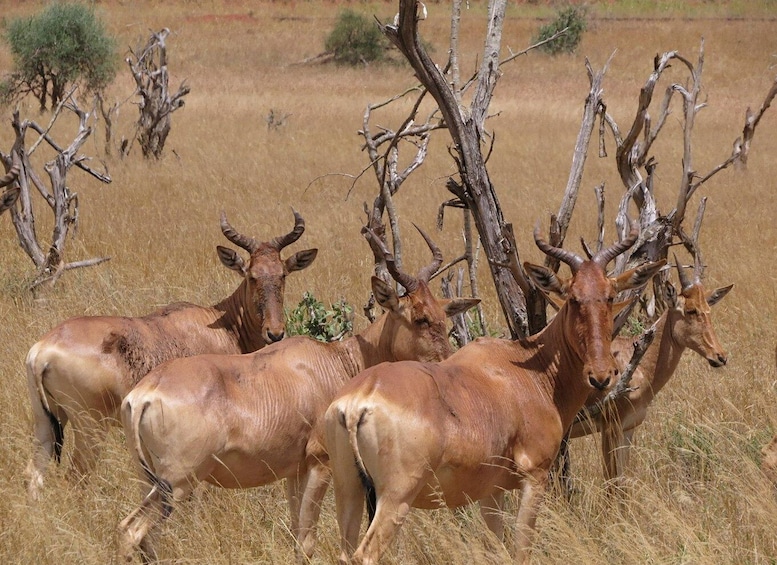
(423,322)
(692,312)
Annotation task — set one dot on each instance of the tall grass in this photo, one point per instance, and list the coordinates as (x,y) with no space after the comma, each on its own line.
(696,495)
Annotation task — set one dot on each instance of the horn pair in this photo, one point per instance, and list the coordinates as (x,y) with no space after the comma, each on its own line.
(601,258)
(250,244)
(406,280)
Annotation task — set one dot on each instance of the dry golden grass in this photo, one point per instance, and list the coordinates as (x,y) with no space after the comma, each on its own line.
(697,495)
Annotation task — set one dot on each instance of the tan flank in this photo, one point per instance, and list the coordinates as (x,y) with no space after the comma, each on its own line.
(82,369)
(240,421)
(488,419)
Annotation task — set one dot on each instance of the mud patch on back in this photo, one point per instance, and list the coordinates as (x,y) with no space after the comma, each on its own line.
(141,352)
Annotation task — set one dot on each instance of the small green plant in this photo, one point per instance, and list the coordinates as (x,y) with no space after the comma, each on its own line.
(64,45)
(571,17)
(312,318)
(356,40)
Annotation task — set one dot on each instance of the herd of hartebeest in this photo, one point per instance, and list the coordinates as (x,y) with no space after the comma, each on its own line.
(392,416)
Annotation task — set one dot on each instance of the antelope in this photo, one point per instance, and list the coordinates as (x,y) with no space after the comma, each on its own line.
(685,324)
(82,369)
(242,421)
(490,418)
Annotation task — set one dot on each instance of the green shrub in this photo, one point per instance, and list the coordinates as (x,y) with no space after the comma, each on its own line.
(356,39)
(572,17)
(63,45)
(310,317)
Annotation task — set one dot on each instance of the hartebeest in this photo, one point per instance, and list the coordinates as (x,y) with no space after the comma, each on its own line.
(489,418)
(685,324)
(82,369)
(244,421)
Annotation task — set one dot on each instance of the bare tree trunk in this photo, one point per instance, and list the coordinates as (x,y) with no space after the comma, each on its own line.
(156,105)
(467,130)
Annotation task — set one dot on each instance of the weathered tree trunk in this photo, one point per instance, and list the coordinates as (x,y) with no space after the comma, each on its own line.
(49,259)
(156,106)
(466,127)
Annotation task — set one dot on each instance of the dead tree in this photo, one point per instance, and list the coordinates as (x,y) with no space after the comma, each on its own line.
(49,258)
(156,105)
(466,125)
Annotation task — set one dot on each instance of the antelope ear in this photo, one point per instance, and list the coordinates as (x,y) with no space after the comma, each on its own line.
(300,260)
(385,294)
(231,260)
(638,276)
(454,306)
(545,279)
(715,296)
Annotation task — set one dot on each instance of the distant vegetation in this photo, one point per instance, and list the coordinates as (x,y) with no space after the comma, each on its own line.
(571,18)
(356,39)
(65,44)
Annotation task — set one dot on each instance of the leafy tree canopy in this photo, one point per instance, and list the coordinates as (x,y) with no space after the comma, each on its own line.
(63,45)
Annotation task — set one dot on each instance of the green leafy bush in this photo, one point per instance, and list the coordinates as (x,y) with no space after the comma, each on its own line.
(63,45)
(356,39)
(312,318)
(572,17)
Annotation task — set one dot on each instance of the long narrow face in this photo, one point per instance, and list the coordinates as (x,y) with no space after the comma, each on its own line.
(266,279)
(417,328)
(590,297)
(695,330)
(423,335)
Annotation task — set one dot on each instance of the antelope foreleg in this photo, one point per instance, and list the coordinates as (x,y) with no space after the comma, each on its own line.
(532,493)
(314,488)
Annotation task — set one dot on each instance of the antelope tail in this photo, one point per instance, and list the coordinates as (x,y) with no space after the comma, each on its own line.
(351,421)
(132,418)
(35,376)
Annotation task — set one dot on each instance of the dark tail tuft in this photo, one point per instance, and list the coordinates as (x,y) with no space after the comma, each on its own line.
(59,436)
(369,492)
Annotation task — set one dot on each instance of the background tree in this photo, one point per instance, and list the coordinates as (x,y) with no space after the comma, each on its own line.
(66,44)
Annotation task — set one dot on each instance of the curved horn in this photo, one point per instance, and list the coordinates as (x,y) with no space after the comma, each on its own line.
(247,243)
(572,259)
(685,283)
(408,281)
(606,255)
(426,272)
(299,227)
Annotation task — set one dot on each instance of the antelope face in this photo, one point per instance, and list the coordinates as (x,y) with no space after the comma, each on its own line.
(418,327)
(590,298)
(694,329)
(266,280)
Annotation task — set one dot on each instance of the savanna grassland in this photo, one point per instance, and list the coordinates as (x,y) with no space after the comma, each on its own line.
(696,494)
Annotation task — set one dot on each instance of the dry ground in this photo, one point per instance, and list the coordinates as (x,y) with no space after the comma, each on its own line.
(696,496)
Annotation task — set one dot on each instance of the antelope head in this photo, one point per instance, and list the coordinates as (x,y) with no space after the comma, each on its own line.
(418,319)
(588,301)
(265,273)
(693,327)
